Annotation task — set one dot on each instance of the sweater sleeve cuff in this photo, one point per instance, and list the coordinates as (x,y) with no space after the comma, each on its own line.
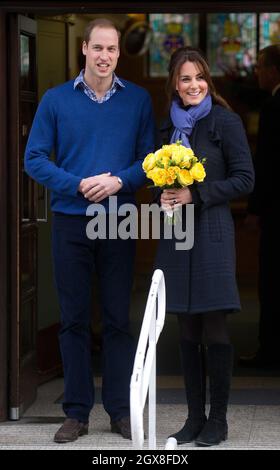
(74,185)
(125,187)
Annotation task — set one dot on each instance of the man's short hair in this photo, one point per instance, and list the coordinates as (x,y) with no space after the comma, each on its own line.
(271,56)
(100,23)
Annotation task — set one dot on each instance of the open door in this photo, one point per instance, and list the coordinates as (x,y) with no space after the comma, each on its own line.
(23,205)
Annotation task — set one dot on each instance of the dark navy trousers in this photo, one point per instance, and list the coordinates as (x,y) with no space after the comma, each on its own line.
(75,258)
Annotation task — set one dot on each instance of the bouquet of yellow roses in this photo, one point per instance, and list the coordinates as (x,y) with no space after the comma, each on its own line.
(173,166)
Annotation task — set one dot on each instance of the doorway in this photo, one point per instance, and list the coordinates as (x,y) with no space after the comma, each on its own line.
(55,40)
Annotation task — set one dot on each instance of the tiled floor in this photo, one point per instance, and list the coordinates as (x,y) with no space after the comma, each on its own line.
(250,426)
(254,410)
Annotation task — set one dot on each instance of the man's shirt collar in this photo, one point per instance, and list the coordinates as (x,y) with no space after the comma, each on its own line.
(81,83)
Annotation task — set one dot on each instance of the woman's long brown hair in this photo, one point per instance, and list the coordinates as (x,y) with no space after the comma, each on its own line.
(190,54)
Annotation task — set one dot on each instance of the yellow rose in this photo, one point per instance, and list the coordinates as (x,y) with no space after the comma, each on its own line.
(150,173)
(198,172)
(187,152)
(158,175)
(182,156)
(165,162)
(166,150)
(184,177)
(186,163)
(177,155)
(162,157)
(173,171)
(172,147)
(159,154)
(171,174)
(149,162)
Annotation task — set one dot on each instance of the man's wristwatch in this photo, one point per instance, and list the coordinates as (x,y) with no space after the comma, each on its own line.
(120,181)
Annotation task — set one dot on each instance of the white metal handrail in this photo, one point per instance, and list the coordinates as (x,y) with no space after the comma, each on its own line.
(144,371)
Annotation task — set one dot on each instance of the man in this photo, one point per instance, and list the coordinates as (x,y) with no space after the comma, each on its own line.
(264,207)
(101,128)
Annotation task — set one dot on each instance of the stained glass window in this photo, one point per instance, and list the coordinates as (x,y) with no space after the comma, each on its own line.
(231,42)
(269,29)
(170,31)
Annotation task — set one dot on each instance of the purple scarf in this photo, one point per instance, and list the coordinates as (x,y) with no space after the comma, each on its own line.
(184,120)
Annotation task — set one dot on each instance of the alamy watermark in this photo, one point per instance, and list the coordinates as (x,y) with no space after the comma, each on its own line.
(144,222)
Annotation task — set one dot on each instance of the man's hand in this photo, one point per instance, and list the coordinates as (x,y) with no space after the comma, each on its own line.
(96,188)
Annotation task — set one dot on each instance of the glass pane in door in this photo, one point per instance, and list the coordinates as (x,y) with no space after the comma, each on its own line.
(27,62)
(269,29)
(170,31)
(231,43)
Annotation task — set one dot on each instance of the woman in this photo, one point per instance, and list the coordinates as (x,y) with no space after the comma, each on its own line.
(201,284)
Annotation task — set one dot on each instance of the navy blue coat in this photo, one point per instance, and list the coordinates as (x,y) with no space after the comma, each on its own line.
(203,279)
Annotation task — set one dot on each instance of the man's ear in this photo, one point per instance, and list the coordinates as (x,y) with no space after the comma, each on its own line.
(84,47)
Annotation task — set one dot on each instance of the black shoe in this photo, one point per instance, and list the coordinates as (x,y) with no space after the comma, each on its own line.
(70,431)
(122,427)
(190,430)
(213,433)
(259,360)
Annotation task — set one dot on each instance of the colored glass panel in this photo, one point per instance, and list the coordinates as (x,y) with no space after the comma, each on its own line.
(269,29)
(231,43)
(170,31)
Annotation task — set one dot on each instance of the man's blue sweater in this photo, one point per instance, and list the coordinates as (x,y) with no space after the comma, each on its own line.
(89,138)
